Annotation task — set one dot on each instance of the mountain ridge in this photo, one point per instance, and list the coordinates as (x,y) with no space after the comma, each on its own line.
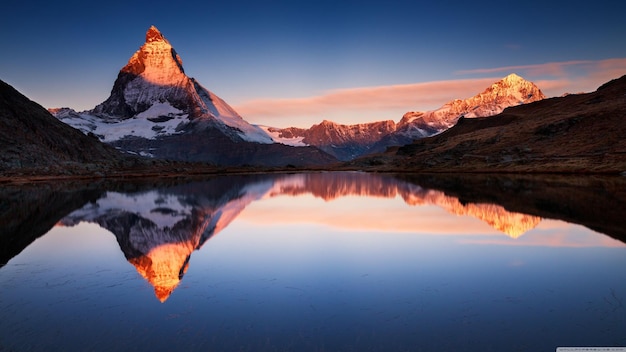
(347,142)
(577,133)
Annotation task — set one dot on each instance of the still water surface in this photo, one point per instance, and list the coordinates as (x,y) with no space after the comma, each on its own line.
(304,262)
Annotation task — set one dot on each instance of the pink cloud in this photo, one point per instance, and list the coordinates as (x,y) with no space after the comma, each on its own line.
(557,78)
(366,104)
(406,97)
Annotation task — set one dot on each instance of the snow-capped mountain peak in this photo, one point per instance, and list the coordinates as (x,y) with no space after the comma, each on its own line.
(152,97)
(349,141)
(509,91)
(156,61)
(154,35)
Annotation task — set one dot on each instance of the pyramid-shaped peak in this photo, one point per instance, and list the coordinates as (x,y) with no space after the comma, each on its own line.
(154,35)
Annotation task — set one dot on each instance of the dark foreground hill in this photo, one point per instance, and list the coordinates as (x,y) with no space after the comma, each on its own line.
(578,133)
(34,145)
(33,141)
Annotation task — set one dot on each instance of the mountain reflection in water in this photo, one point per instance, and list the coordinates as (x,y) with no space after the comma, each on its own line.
(314,261)
(158,229)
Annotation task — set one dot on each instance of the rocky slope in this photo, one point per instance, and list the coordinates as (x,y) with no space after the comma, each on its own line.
(33,141)
(512,90)
(347,142)
(156,110)
(582,133)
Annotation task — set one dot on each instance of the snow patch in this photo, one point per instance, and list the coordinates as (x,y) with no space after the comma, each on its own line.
(160,109)
(111,131)
(275,135)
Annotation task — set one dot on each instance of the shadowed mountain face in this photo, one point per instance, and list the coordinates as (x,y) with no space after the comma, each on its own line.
(159,227)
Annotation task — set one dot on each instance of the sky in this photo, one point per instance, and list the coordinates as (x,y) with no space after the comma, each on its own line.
(296,63)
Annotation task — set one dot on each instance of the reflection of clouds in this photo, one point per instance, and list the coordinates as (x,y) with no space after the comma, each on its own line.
(158,230)
(364,213)
(553,233)
(566,76)
(369,214)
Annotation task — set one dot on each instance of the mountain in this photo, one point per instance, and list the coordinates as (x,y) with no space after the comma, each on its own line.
(156,110)
(32,141)
(512,90)
(347,142)
(577,133)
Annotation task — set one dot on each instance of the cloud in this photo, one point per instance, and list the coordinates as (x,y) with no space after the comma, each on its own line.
(366,104)
(365,100)
(556,78)
(365,214)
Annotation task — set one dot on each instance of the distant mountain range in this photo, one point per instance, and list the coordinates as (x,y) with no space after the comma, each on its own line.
(577,133)
(347,142)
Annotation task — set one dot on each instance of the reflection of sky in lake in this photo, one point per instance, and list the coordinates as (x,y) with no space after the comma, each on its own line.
(302,273)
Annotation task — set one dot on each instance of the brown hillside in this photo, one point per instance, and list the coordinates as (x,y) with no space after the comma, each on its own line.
(575,133)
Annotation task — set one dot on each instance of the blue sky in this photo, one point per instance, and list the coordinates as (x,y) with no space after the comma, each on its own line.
(287,63)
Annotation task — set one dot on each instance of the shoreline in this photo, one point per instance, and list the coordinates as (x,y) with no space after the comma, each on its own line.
(20,178)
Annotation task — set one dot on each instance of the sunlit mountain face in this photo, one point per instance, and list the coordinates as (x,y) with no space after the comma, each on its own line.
(159,229)
(157,111)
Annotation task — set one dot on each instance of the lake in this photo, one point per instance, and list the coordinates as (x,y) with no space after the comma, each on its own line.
(336,261)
